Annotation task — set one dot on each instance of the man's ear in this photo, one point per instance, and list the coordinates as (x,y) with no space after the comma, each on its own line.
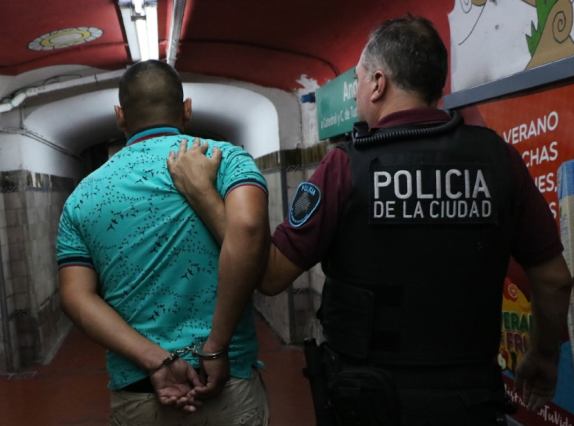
(120,118)
(187,110)
(379,86)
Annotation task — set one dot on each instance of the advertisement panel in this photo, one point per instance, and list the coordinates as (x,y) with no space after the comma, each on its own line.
(541,127)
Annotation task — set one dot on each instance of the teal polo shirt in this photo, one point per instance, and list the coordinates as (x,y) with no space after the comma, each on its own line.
(156,261)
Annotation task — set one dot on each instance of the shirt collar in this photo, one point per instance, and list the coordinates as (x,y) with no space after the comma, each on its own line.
(152,132)
(414,117)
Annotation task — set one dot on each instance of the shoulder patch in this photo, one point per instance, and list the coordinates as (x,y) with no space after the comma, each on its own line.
(305,202)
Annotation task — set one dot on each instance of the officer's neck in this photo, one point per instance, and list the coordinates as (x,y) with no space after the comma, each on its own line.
(395,101)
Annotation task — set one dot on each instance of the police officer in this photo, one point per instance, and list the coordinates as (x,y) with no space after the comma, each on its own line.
(415,221)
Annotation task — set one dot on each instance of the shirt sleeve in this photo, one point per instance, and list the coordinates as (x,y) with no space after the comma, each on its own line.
(305,241)
(535,237)
(71,249)
(237,168)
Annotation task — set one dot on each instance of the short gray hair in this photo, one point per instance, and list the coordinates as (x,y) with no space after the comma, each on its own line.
(411,53)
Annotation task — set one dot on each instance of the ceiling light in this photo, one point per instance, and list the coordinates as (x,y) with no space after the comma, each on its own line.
(66,37)
(178,11)
(140,25)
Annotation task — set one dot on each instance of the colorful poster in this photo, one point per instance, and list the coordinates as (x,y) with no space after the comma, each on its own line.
(495,39)
(541,127)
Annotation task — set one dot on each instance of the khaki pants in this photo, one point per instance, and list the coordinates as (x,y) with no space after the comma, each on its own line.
(242,402)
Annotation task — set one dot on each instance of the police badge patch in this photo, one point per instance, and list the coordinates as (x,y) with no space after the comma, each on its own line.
(307,199)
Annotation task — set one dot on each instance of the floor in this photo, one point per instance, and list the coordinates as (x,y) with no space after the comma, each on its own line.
(71,390)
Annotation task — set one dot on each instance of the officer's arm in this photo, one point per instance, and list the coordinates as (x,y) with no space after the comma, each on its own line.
(81,301)
(550,284)
(279,274)
(536,375)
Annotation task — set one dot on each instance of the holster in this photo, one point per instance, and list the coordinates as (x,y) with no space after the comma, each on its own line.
(360,395)
(316,374)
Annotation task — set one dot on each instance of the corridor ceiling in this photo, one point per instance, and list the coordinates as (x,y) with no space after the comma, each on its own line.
(266,42)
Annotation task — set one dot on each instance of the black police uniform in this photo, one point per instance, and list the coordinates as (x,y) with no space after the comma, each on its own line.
(414,279)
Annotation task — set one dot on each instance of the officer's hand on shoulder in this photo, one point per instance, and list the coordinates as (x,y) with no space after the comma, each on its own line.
(193,173)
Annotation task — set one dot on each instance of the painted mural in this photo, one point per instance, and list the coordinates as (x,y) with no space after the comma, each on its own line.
(493,39)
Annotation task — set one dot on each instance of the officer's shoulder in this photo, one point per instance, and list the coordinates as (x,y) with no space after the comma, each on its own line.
(336,155)
(341,146)
(481,130)
(486,135)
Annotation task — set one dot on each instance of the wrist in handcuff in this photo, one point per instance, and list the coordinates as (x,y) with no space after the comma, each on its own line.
(208,356)
(169,359)
(196,350)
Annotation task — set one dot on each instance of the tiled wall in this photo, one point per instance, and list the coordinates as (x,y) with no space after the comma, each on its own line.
(32,321)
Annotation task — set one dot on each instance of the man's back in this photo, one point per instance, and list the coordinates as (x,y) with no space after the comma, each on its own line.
(157,263)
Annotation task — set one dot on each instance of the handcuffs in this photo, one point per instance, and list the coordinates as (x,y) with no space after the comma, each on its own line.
(194,350)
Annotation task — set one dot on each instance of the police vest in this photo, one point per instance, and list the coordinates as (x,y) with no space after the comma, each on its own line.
(415,274)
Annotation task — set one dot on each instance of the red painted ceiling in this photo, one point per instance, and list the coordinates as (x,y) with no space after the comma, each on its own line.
(268,42)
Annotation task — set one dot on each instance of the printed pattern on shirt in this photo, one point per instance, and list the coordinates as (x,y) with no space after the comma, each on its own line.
(156,261)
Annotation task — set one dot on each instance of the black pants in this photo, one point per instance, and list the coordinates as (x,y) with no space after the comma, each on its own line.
(468,407)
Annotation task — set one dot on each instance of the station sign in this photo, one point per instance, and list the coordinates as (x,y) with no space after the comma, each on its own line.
(336,106)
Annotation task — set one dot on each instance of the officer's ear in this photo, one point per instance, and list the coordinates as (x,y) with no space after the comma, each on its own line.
(380,84)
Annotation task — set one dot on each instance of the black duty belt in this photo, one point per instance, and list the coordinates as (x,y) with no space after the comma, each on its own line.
(483,374)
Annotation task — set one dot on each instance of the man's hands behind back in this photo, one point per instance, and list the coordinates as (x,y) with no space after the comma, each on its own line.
(174,383)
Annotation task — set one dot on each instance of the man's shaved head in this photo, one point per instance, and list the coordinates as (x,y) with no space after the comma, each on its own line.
(151,93)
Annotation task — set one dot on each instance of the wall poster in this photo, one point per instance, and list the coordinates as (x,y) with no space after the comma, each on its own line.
(493,39)
(541,127)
